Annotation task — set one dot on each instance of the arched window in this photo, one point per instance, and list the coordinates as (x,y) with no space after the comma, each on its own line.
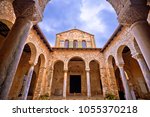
(83,44)
(75,44)
(66,43)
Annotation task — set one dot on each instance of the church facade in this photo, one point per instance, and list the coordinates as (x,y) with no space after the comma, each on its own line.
(74,68)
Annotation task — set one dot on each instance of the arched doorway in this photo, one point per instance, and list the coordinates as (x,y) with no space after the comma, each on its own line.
(96,83)
(76,77)
(58,78)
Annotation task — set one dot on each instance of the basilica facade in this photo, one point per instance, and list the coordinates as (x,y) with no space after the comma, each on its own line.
(74,68)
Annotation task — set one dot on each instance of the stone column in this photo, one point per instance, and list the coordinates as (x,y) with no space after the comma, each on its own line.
(43,83)
(125,83)
(27,13)
(134,14)
(65,84)
(11,53)
(88,83)
(28,82)
(141,32)
(51,80)
(144,69)
(39,88)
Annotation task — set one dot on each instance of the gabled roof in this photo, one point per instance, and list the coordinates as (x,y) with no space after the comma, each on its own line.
(76,30)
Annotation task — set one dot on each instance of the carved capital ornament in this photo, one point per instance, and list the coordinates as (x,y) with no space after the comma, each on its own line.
(30,9)
(130,11)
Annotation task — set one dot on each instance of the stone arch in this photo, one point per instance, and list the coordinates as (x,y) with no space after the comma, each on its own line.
(95,77)
(95,61)
(33,52)
(40,80)
(56,62)
(119,58)
(134,74)
(67,62)
(110,60)
(115,82)
(76,76)
(22,71)
(58,78)
(43,60)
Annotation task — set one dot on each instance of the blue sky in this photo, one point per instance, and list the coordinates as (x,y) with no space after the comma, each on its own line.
(94,16)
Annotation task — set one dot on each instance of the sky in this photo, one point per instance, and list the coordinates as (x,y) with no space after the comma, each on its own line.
(96,17)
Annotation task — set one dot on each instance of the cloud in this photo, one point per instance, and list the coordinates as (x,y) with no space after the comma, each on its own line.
(91,20)
(94,16)
(45,27)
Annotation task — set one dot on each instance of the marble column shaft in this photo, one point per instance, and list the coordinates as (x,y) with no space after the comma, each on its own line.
(144,69)
(51,81)
(11,52)
(27,84)
(128,95)
(65,84)
(88,83)
(141,32)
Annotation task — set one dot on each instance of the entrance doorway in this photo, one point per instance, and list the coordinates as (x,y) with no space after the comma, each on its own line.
(75,83)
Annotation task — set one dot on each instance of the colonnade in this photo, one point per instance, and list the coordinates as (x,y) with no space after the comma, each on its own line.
(135,16)
(14,43)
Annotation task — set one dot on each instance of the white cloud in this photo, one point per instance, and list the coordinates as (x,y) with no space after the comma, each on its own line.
(87,15)
(49,25)
(90,15)
(46,27)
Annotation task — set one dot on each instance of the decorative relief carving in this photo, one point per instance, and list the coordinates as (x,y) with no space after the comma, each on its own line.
(133,14)
(130,11)
(30,9)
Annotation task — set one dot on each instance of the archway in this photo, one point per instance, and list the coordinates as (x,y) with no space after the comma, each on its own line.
(136,82)
(36,76)
(58,78)
(76,77)
(96,83)
(22,71)
(115,78)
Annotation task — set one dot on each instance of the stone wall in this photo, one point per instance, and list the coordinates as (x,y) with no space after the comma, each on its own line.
(87,55)
(75,34)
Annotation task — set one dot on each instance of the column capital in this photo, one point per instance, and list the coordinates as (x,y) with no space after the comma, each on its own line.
(120,65)
(87,69)
(30,9)
(137,56)
(130,11)
(32,63)
(65,70)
